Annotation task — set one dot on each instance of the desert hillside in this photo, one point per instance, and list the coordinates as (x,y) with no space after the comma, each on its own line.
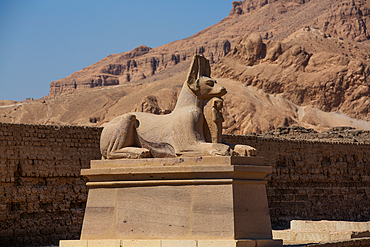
(309,69)
(272,19)
(283,63)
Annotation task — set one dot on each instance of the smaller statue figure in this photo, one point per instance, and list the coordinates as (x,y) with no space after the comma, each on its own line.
(214,119)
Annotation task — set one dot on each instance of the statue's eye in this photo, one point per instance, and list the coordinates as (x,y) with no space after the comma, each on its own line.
(210,83)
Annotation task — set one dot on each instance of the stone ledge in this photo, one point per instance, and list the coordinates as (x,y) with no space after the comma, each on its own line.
(204,160)
(306,231)
(171,243)
(364,242)
(167,182)
(175,169)
(330,225)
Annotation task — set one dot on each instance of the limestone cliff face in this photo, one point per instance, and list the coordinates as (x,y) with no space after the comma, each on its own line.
(270,18)
(140,63)
(308,68)
(106,72)
(344,18)
(281,6)
(347,19)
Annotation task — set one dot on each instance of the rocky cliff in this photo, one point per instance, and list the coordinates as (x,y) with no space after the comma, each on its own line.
(140,63)
(273,19)
(308,68)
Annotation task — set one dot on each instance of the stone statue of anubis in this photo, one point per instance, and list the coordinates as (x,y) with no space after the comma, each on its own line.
(180,133)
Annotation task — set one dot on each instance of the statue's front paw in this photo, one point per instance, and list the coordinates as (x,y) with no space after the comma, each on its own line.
(245,150)
(218,149)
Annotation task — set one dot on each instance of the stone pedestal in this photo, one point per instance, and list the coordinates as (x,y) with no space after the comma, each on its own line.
(205,201)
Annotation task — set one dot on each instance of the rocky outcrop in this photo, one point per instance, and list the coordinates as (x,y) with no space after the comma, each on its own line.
(305,69)
(150,104)
(348,19)
(344,18)
(140,63)
(247,6)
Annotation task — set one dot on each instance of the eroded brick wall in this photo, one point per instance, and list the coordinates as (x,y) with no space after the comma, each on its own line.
(314,180)
(42,196)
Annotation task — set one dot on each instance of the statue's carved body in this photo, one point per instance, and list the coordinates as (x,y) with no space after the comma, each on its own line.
(214,119)
(180,133)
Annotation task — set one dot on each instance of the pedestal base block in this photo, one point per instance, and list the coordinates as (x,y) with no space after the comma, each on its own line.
(171,243)
(184,200)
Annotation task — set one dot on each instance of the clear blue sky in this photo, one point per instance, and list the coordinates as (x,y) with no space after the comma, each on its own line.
(46,40)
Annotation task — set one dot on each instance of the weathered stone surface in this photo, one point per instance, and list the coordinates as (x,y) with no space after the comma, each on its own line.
(214,119)
(305,231)
(177,198)
(330,225)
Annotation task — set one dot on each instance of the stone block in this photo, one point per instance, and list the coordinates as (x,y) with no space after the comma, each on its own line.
(73,243)
(141,243)
(330,225)
(104,243)
(177,198)
(179,243)
(226,243)
(6,233)
(269,242)
(19,233)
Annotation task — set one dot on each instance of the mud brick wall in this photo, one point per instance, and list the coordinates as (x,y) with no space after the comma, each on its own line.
(42,195)
(314,180)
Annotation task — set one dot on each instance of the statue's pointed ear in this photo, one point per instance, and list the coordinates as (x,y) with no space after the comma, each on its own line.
(205,68)
(193,75)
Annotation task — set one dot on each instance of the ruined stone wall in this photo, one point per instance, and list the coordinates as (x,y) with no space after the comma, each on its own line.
(42,196)
(314,180)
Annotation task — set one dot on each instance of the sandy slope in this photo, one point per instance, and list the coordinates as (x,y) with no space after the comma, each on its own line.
(246,108)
